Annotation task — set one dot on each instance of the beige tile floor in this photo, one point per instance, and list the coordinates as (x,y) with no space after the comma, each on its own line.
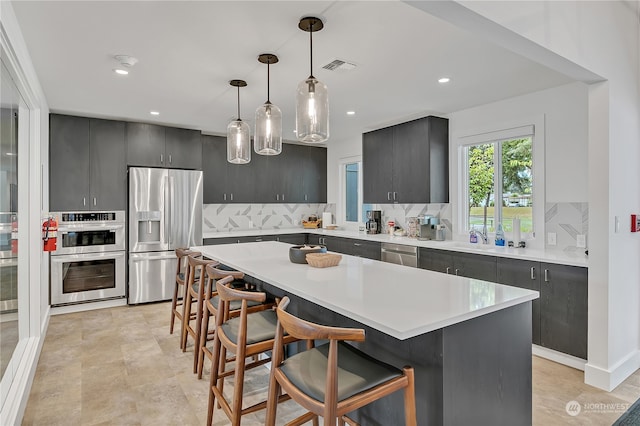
(120,366)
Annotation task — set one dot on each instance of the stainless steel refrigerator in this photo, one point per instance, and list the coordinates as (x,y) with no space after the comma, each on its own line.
(165,212)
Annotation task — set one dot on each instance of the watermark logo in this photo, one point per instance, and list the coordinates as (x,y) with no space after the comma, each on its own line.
(573,408)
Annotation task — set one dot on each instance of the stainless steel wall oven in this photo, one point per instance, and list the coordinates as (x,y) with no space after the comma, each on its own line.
(90,261)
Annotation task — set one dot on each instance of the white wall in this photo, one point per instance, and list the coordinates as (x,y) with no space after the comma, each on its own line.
(587,40)
(37,269)
(565,111)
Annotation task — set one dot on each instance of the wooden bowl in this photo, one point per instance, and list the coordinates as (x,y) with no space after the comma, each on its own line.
(323,260)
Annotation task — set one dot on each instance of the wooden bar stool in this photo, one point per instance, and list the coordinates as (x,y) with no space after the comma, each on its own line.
(245,336)
(178,291)
(194,293)
(210,308)
(333,379)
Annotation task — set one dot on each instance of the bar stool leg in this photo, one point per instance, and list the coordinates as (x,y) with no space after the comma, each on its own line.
(186,316)
(196,339)
(204,334)
(410,399)
(213,379)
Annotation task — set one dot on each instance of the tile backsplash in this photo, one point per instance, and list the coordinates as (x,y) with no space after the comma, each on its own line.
(400,213)
(236,217)
(567,221)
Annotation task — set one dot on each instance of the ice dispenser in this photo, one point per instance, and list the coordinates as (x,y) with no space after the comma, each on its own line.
(149,226)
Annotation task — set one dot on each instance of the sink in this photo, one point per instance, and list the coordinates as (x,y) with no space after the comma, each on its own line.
(470,246)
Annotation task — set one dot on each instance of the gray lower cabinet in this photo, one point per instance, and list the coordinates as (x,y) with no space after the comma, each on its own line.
(88,168)
(151,145)
(560,314)
(523,274)
(296,239)
(469,265)
(563,308)
(350,246)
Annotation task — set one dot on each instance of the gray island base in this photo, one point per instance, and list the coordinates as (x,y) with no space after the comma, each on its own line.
(472,358)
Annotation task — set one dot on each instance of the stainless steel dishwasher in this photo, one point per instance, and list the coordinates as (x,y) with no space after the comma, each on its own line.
(399,254)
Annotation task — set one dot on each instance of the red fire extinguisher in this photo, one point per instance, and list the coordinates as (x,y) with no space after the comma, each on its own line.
(50,234)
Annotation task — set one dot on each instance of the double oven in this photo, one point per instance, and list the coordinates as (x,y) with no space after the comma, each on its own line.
(89,263)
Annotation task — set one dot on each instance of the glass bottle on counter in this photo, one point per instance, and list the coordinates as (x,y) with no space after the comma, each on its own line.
(500,235)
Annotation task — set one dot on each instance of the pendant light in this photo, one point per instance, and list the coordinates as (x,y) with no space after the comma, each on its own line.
(268,133)
(312,98)
(238,134)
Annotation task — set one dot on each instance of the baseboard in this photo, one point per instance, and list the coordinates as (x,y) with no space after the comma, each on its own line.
(559,357)
(90,306)
(611,378)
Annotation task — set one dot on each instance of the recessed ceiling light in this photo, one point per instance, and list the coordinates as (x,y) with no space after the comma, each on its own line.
(121,71)
(154,113)
(444,80)
(351,113)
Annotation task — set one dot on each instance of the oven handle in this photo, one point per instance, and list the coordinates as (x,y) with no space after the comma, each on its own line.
(88,256)
(84,228)
(146,257)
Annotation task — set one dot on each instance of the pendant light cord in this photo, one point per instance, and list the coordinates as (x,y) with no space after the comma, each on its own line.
(239,103)
(311,47)
(268,79)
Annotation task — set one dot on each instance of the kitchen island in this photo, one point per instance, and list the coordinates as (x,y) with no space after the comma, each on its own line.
(469,341)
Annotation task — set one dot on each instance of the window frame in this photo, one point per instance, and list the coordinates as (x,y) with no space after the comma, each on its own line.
(342,193)
(533,127)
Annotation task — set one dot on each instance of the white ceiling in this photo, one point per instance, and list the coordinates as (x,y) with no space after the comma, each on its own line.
(188,52)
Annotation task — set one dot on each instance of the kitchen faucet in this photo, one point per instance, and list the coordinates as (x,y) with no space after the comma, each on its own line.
(483,235)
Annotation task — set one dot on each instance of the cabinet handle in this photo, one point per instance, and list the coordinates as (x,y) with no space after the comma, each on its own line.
(225,197)
(277,197)
(232,196)
(305,197)
(388,196)
(277,238)
(357,244)
(546,275)
(282,197)
(84,201)
(258,239)
(169,158)
(238,241)
(457,271)
(533,273)
(448,270)
(161,158)
(94,201)
(394,195)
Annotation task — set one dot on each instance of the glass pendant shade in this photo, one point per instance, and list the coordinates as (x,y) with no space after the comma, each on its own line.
(312,111)
(238,142)
(268,134)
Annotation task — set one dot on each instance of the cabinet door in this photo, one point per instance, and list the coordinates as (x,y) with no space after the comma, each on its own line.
(183,149)
(314,175)
(563,309)
(314,239)
(377,180)
(108,165)
(411,162)
(214,170)
(69,163)
(145,145)
(435,260)
(523,274)
(476,266)
(438,159)
(297,239)
(366,249)
(292,173)
(266,183)
(217,241)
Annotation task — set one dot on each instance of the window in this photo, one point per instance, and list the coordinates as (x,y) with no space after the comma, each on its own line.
(499,184)
(353,209)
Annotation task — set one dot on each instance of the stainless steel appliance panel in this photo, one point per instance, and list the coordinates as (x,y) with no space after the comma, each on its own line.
(87,277)
(399,254)
(185,208)
(151,276)
(148,221)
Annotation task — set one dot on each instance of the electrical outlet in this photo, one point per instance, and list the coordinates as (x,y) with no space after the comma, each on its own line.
(581,241)
(551,238)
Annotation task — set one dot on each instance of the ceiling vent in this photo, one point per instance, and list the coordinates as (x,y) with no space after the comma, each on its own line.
(339,65)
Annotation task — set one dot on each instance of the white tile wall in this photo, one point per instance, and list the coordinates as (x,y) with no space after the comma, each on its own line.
(399,213)
(567,220)
(229,217)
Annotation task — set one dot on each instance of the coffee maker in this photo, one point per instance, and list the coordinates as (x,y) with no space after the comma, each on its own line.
(374,221)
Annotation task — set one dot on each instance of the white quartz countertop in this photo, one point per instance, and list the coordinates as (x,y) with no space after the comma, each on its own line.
(397,300)
(577,258)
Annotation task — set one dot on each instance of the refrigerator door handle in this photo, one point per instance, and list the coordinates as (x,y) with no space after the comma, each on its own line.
(167,213)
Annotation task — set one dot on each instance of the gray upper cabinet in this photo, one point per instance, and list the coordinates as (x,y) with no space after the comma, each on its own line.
(407,163)
(87,164)
(150,145)
(297,175)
